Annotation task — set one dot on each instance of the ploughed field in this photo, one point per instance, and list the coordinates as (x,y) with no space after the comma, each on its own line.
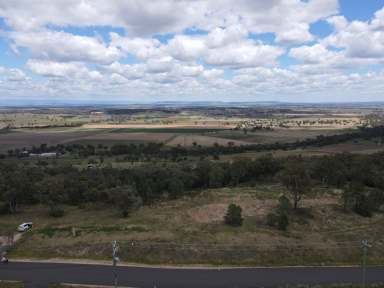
(24,128)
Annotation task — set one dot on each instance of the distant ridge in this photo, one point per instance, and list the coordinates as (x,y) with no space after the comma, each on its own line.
(191,104)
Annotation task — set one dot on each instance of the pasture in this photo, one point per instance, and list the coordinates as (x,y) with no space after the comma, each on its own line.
(191,230)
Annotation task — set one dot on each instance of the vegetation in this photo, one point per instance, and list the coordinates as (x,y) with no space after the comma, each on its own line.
(233,216)
(11,284)
(280,218)
(359,176)
(177,203)
(295,177)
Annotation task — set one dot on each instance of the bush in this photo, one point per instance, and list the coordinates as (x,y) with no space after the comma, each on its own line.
(233,216)
(280,219)
(283,222)
(56,211)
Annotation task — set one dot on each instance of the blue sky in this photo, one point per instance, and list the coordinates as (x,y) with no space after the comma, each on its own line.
(252,50)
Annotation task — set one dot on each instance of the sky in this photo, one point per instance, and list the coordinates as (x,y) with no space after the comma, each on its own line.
(122,51)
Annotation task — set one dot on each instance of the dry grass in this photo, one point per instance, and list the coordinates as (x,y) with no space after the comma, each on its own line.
(191,230)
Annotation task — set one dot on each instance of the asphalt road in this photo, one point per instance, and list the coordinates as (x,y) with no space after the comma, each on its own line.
(41,274)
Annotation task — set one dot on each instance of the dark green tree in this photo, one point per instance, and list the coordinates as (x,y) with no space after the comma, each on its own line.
(234,215)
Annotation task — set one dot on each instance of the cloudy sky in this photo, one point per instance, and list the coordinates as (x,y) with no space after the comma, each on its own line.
(218,50)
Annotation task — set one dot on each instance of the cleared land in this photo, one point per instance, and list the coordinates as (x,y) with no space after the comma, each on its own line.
(29,138)
(191,230)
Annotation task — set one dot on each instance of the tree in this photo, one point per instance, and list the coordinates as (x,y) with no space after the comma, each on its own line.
(239,170)
(357,198)
(175,187)
(296,179)
(280,218)
(283,212)
(216,176)
(126,199)
(15,186)
(52,193)
(234,215)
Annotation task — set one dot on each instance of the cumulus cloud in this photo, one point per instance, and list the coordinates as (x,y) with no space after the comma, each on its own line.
(359,39)
(243,54)
(165,16)
(61,46)
(189,48)
(64,70)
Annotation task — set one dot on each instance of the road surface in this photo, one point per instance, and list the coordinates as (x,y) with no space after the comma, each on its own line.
(41,274)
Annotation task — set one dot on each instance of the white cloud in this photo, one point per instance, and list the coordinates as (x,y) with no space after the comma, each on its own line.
(142,48)
(359,39)
(223,58)
(165,16)
(128,71)
(212,74)
(61,46)
(186,48)
(315,54)
(244,54)
(16,75)
(12,75)
(65,70)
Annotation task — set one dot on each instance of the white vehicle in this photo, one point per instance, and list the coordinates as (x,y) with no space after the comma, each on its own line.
(24,227)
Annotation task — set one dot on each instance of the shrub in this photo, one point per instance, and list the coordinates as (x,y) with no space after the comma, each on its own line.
(233,216)
(280,219)
(283,222)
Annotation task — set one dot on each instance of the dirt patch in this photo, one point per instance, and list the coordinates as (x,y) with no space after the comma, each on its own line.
(215,212)
(211,213)
(10,240)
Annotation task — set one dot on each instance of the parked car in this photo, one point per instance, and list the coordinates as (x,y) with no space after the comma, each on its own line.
(24,227)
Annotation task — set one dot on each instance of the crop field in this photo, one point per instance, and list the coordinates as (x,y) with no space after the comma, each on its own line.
(35,137)
(187,128)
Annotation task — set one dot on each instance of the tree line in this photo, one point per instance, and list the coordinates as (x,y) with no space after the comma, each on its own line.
(360,177)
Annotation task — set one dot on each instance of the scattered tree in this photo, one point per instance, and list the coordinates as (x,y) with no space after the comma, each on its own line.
(234,215)
(296,178)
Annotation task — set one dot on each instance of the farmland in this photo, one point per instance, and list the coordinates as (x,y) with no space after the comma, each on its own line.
(160,180)
(24,128)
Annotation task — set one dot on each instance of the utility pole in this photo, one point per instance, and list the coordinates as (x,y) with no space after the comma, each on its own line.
(115,259)
(365,245)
